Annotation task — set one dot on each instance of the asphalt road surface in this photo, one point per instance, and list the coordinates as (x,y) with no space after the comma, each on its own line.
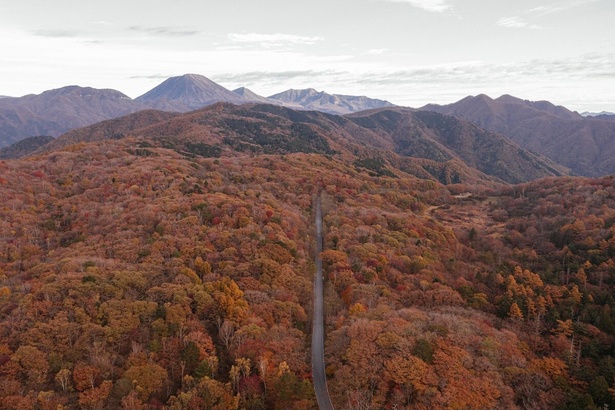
(318,332)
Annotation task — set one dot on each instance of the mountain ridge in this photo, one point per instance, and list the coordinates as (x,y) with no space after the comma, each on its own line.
(311,99)
(249,95)
(56,111)
(424,144)
(24,147)
(594,114)
(586,145)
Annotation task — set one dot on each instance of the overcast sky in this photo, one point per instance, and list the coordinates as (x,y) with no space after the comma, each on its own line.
(410,52)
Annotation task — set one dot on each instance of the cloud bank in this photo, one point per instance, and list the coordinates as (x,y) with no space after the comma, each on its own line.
(516,23)
(428,5)
(272,40)
(165,31)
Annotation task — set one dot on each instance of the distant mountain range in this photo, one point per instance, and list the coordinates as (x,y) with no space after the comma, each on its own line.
(586,145)
(573,143)
(56,111)
(592,114)
(311,99)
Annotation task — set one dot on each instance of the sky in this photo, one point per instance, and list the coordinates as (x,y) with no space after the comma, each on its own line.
(409,52)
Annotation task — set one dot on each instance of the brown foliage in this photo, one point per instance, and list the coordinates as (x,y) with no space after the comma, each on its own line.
(158,274)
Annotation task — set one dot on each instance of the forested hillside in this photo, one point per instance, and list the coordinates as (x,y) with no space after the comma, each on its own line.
(498,300)
(157,268)
(24,147)
(583,144)
(424,144)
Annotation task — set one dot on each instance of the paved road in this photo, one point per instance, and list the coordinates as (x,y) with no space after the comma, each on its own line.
(318,332)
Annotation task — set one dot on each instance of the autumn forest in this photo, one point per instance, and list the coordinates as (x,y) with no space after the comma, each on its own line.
(166,261)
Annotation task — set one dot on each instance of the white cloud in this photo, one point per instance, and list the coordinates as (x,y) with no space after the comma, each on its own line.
(165,31)
(377,51)
(429,5)
(534,13)
(272,40)
(559,6)
(516,23)
(545,9)
(569,71)
(55,33)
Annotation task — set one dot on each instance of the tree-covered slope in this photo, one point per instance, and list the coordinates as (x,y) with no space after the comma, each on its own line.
(137,275)
(424,144)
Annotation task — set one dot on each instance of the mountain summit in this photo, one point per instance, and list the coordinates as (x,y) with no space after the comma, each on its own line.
(311,99)
(247,94)
(54,112)
(186,93)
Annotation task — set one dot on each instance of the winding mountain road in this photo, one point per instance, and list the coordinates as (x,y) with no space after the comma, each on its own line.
(318,333)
